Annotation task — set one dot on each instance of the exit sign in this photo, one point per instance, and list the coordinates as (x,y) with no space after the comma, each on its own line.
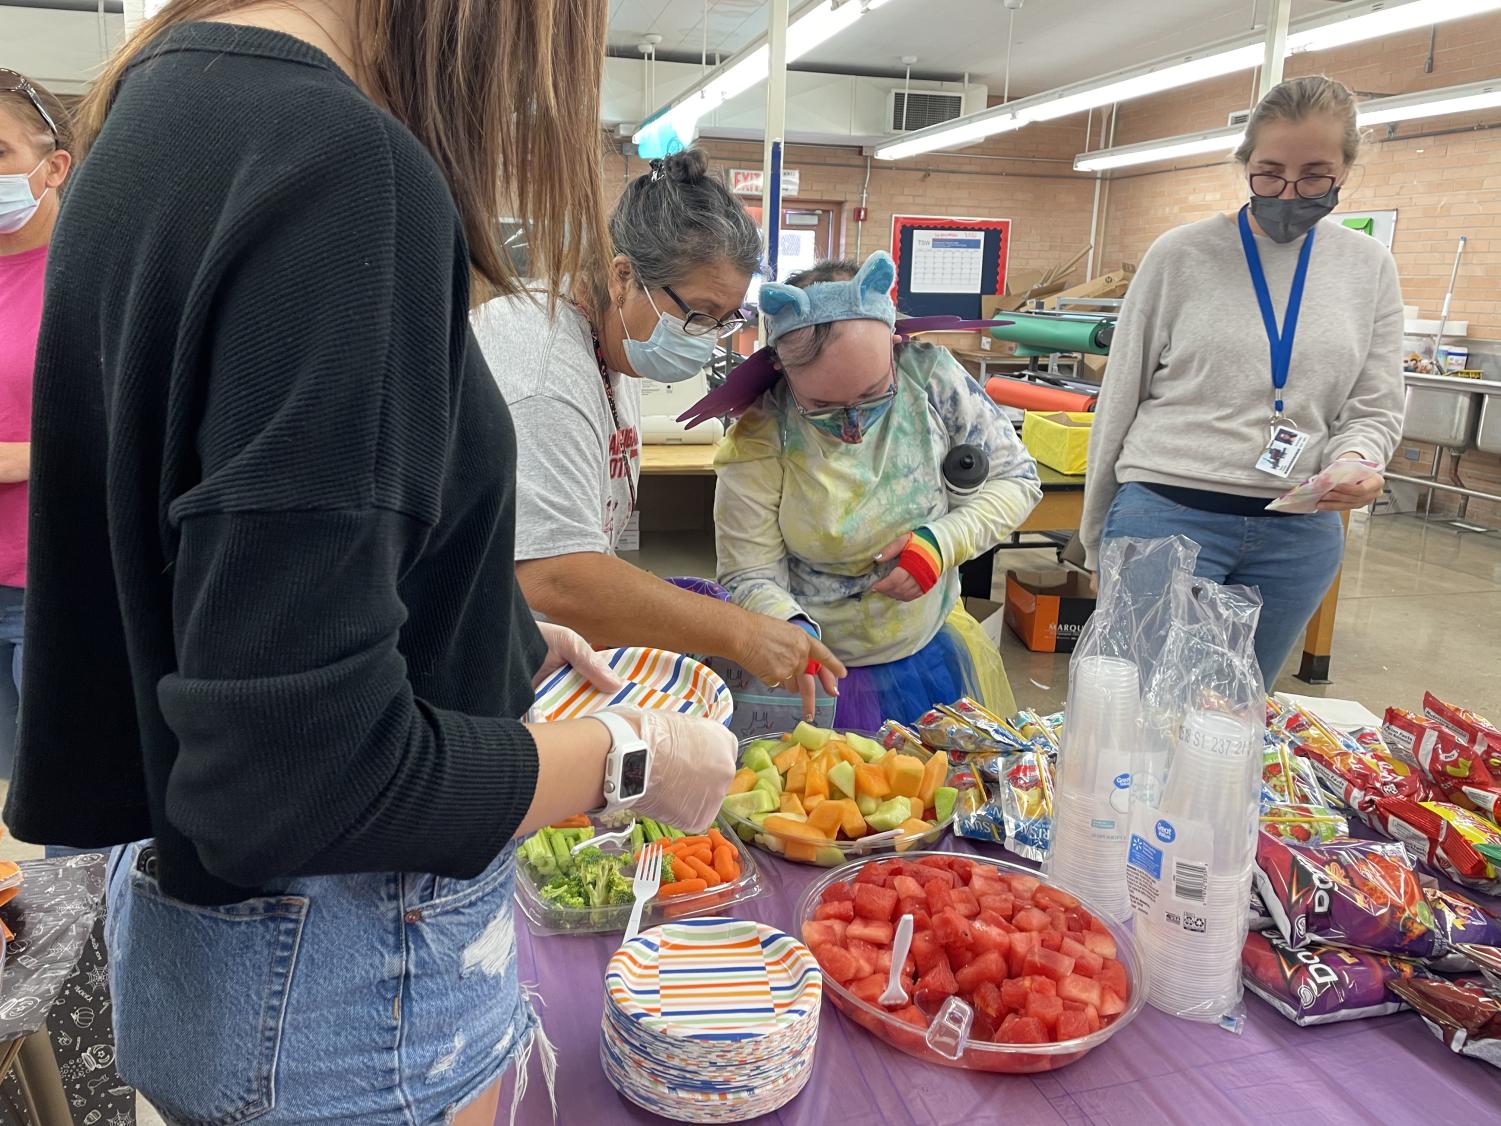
(749,181)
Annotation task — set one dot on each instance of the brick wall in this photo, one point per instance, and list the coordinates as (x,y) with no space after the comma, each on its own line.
(1441,186)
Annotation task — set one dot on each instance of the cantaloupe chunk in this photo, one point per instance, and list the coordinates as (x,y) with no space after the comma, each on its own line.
(797,777)
(743,781)
(791,803)
(817,782)
(853,821)
(801,851)
(935,773)
(870,780)
(847,753)
(784,761)
(791,830)
(905,774)
(911,830)
(827,817)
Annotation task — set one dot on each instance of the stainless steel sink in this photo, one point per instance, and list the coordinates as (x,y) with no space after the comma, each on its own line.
(1488,436)
(1445,417)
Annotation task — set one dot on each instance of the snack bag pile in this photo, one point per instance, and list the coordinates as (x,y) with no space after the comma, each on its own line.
(1322,984)
(1456,769)
(1355,774)
(1443,837)
(1465,1015)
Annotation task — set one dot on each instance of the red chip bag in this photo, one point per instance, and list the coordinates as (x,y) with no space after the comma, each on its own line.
(1463,1014)
(1457,770)
(1442,836)
(1477,731)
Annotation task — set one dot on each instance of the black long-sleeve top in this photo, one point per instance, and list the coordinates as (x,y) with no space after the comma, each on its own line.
(272,619)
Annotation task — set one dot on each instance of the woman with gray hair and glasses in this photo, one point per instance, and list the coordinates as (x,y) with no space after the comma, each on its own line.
(568,366)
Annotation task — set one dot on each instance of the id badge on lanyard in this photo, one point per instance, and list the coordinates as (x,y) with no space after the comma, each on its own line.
(1285,442)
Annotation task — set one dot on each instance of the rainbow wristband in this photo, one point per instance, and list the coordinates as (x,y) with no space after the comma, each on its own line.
(922,559)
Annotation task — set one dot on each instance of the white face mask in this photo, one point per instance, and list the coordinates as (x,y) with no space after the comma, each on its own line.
(17,205)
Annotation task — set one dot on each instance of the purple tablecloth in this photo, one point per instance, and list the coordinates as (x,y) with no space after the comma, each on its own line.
(1159,1070)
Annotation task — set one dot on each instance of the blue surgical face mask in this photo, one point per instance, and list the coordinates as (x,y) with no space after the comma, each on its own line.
(17,204)
(669,355)
(852,424)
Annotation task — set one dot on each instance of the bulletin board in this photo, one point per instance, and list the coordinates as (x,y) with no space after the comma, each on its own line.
(945,264)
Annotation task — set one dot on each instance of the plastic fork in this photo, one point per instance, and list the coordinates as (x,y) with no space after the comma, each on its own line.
(619,837)
(895,994)
(647,882)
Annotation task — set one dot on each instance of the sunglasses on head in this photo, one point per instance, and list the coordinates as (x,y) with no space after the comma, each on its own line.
(13,83)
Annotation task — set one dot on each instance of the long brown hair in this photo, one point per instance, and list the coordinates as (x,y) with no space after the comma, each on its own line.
(504,94)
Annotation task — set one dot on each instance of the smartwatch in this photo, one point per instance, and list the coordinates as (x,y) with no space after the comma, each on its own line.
(628,765)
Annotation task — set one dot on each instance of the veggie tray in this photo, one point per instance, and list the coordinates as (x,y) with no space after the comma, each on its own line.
(822,797)
(589,891)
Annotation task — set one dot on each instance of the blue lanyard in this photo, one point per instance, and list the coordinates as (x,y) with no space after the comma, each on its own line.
(1281,342)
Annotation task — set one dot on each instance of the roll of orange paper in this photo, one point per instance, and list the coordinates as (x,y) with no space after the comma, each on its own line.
(1036,397)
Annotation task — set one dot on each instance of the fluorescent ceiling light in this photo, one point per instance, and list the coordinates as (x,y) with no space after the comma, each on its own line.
(811,27)
(1377,111)
(1375,19)
(1369,20)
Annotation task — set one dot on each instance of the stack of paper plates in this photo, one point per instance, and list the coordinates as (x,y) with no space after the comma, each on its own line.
(656,680)
(710,1020)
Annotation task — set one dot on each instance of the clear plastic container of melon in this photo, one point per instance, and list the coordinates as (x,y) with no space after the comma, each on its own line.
(823,797)
(1006,972)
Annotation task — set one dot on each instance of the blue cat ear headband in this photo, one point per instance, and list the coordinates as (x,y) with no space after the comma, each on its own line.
(785,308)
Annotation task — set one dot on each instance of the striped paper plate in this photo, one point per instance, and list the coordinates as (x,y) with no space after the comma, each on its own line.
(656,680)
(741,969)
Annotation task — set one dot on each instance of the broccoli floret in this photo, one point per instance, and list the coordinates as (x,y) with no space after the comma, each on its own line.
(667,876)
(565,891)
(618,889)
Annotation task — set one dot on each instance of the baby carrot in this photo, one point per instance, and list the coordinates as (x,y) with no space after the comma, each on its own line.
(691,842)
(724,864)
(577,821)
(716,838)
(682,887)
(699,868)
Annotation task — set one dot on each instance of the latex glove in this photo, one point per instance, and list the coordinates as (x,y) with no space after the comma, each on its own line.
(564,647)
(692,765)
(779,653)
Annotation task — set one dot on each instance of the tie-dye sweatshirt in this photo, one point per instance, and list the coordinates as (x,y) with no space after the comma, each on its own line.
(800,516)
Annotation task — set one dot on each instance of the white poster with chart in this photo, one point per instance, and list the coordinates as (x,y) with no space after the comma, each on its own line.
(947,261)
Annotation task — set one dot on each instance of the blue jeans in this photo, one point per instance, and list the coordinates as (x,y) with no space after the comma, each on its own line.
(1290,560)
(376,999)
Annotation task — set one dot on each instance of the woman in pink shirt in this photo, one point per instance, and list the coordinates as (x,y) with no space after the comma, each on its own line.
(34,162)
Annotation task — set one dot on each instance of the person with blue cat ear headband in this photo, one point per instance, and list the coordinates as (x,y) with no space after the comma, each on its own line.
(832,508)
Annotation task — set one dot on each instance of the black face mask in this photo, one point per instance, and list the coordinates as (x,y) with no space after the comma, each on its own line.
(1286,219)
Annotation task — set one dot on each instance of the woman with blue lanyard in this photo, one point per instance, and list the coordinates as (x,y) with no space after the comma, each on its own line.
(1255,350)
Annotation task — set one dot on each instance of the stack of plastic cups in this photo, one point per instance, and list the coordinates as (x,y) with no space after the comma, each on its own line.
(1193,968)
(1091,809)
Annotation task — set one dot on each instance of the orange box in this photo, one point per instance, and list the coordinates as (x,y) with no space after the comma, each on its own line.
(1048,609)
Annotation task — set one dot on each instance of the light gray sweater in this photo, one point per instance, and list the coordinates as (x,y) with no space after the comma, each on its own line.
(1187,394)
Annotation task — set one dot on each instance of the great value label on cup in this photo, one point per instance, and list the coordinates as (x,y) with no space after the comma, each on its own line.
(1168,871)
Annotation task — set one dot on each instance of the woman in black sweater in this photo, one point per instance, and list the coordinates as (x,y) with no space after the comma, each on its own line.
(274,634)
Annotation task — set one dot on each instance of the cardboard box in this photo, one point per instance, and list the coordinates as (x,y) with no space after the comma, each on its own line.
(1059,439)
(958,341)
(1048,609)
(991,616)
(1111,285)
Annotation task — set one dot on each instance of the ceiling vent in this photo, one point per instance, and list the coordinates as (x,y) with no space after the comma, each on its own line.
(917,109)
(1239,117)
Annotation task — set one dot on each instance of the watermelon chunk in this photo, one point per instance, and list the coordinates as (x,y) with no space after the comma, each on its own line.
(988,1001)
(1082,989)
(951,928)
(960,955)
(987,936)
(1030,919)
(1001,903)
(872,902)
(1048,963)
(1036,983)
(1022,942)
(870,874)
(1044,1008)
(989,966)
(1046,897)
(938,894)
(926,870)
(871,931)
(906,887)
(836,892)
(1014,994)
(1101,944)
(1111,1003)
(823,932)
(1112,976)
(1024,1030)
(839,909)
(1072,1025)
(963,901)
(1022,886)
(961,866)
(1092,1018)
(869,988)
(926,950)
(911,1015)
(935,985)
(838,963)
(1051,939)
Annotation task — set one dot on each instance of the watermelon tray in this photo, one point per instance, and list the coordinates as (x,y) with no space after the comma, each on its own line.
(950,1032)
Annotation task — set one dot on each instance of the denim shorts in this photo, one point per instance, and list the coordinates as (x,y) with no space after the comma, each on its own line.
(375,999)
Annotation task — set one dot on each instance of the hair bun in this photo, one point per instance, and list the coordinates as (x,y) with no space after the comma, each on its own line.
(686,167)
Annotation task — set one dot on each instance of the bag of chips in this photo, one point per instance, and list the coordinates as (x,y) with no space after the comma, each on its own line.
(1305,823)
(1361,894)
(1463,925)
(1443,837)
(1465,1015)
(1026,790)
(1487,959)
(1458,772)
(977,810)
(1321,984)
(1477,732)
(968,728)
(1352,775)
(1287,779)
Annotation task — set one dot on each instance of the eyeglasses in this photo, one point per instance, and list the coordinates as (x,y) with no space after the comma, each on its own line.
(1269,184)
(823,414)
(14,83)
(696,323)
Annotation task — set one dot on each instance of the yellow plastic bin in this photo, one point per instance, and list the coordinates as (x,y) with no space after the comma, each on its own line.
(1058,439)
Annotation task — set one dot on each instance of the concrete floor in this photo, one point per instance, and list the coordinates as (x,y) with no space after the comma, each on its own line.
(1419,609)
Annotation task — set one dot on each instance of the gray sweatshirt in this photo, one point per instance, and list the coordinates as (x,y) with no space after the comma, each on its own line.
(1187,395)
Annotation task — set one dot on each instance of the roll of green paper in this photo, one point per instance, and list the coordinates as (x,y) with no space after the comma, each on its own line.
(1047,335)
